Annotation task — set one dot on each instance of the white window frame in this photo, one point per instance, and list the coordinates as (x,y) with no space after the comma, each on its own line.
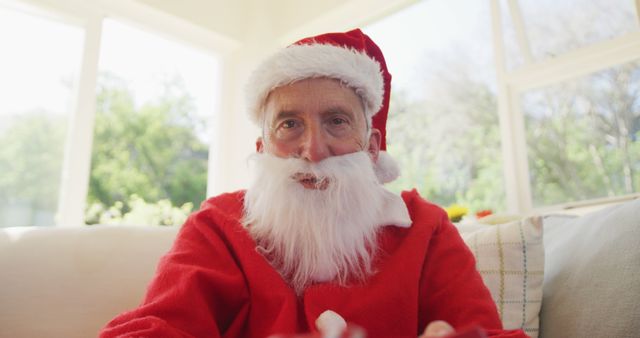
(78,145)
(512,84)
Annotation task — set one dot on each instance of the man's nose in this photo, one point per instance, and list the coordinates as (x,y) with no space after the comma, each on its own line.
(314,147)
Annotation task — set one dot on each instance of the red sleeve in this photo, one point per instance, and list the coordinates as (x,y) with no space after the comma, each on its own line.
(452,289)
(197,291)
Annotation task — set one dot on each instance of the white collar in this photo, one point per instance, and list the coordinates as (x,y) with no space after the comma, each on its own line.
(394,211)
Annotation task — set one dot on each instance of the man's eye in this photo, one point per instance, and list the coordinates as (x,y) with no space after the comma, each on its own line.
(288,124)
(338,121)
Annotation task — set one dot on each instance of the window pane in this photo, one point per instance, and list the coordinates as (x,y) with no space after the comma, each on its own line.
(39,63)
(443,125)
(149,162)
(555,27)
(584,136)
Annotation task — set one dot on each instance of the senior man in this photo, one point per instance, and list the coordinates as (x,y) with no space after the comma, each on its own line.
(316,233)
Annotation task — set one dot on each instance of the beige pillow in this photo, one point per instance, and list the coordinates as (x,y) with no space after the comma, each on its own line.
(592,276)
(510,259)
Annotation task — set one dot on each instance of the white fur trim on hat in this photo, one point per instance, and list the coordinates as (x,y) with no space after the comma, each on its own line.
(386,168)
(297,62)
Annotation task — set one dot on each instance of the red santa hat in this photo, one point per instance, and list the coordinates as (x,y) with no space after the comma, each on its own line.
(351,57)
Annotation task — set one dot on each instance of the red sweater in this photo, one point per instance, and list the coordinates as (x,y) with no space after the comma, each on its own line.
(213,283)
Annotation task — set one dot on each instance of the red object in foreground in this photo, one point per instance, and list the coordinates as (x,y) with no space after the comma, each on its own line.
(472,332)
(483,213)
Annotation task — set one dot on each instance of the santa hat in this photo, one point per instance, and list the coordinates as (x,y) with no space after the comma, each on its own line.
(351,57)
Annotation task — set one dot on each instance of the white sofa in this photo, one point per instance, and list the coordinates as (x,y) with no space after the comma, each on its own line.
(68,282)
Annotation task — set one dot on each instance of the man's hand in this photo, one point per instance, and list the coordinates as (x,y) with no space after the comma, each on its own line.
(438,328)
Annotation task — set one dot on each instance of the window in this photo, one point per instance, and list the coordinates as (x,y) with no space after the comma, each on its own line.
(567,89)
(39,64)
(149,161)
(582,118)
(583,136)
(443,124)
(545,29)
(556,27)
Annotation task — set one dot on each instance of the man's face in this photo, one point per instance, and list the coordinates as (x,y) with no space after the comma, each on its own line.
(314,203)
(314,119)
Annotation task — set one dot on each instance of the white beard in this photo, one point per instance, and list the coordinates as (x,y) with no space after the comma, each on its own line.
(315,235)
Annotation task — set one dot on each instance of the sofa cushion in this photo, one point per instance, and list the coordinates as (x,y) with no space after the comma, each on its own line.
(69,282)
(510,259)
(592,276)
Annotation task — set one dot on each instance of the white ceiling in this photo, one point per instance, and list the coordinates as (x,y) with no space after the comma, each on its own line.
(223,25)
(244,20)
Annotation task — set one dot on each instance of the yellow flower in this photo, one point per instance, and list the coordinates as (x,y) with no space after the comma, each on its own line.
(456,212)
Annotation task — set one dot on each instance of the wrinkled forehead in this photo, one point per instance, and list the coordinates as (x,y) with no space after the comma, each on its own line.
(317,88)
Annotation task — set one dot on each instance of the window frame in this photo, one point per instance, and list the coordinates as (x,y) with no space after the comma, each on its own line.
(78,144)
(531,75)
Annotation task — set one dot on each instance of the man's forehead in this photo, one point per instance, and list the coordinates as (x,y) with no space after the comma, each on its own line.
(286,98)
(310,85)
(286,111)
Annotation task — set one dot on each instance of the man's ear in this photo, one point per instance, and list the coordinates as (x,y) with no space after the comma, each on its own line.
(374,144)
(259,145)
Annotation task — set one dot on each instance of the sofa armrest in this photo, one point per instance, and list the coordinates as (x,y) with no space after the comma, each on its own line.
(68,281)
